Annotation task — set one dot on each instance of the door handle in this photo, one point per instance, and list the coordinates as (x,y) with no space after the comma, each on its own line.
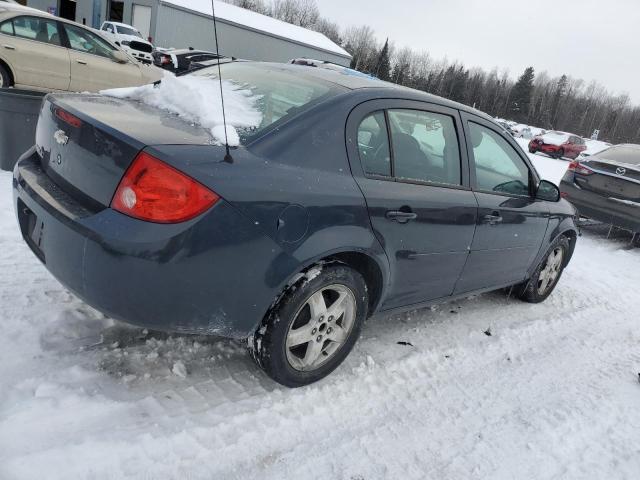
(492,219)
(81,62)
(400,216)
(9,47)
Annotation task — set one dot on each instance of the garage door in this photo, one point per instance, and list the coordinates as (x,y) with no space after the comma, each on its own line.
(142,19)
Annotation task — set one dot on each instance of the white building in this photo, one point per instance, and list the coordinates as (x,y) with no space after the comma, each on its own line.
(188,23)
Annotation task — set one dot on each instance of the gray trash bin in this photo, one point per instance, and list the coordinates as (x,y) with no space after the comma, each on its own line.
(19,111)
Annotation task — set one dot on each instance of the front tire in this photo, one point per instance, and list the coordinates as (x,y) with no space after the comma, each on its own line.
(548,273)
(560,153)
(5,78)
(313,327)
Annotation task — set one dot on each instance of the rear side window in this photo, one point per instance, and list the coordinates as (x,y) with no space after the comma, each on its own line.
(373,145)
(7,28)
(281,93)
(623,154)
(37,29)
(498,166)
(425,147)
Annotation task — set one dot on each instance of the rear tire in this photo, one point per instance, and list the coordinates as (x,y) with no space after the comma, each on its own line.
(5,78)
(532,150)
(548,273)
(313,326)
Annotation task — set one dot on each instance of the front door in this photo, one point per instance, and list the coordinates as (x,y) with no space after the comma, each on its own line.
(511,222)
(34,49)
(92,65)
(414,176)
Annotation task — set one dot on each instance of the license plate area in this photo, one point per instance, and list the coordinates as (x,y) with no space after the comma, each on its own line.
(32,230)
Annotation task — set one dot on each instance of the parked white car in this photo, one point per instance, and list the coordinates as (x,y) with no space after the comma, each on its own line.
(129,39)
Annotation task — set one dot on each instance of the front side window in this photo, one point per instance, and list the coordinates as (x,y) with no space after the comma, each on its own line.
(498,166)
(37,29)
(373,145)
(84,41)
(425,146)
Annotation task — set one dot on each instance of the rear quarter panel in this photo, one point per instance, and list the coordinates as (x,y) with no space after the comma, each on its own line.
(296,186)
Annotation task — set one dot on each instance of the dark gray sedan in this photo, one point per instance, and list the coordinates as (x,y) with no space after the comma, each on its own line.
(606,186)
(353,196)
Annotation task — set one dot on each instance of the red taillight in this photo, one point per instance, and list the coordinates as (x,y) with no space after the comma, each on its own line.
(67,118)
(154,191)
(577,167)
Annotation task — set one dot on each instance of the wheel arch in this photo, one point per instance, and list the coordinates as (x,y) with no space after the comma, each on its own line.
(9,70)
(572,236)
(373,269)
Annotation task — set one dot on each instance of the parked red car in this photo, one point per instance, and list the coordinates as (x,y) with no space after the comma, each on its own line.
(558,144)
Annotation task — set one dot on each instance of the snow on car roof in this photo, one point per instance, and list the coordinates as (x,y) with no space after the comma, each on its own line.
(263,23)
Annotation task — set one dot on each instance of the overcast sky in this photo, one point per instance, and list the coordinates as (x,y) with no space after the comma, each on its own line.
(588,39)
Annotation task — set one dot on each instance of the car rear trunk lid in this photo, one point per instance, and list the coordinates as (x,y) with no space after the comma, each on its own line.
(611,180)
(87,142)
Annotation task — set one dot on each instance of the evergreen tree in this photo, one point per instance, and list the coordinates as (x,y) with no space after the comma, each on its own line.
(520,98)
(383,68)
(561,89)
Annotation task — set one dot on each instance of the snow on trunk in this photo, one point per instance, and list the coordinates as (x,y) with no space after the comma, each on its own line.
(197,99)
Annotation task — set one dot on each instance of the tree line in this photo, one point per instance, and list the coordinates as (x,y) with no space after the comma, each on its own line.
(560,103)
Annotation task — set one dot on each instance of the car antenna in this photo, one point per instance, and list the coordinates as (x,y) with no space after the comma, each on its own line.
(227,158)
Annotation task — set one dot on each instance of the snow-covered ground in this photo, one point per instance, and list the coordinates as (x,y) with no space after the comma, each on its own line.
(551,393)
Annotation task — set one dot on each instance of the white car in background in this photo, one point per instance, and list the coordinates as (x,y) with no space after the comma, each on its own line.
(129,39)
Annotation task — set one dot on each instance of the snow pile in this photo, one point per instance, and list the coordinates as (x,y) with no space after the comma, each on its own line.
(555,138)
(197,99)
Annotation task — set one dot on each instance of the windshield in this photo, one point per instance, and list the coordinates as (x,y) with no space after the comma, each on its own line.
(280,93)
(128,31)
(629,154)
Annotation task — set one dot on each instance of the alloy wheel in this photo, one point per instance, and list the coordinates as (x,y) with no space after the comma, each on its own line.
(320,327)
(551,270)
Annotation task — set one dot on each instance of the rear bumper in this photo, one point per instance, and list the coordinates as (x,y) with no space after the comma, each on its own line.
(209,275)
(604,209)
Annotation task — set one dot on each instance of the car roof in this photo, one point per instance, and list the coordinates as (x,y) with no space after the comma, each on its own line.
(351,81)
(635,146)
(13,9)
(182,51)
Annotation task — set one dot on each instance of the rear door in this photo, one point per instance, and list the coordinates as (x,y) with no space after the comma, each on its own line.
(34,49)
(92,65)
(511,222)
(407,161)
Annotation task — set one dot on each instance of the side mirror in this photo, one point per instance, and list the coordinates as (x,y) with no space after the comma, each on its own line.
(548,191)
(119,57)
